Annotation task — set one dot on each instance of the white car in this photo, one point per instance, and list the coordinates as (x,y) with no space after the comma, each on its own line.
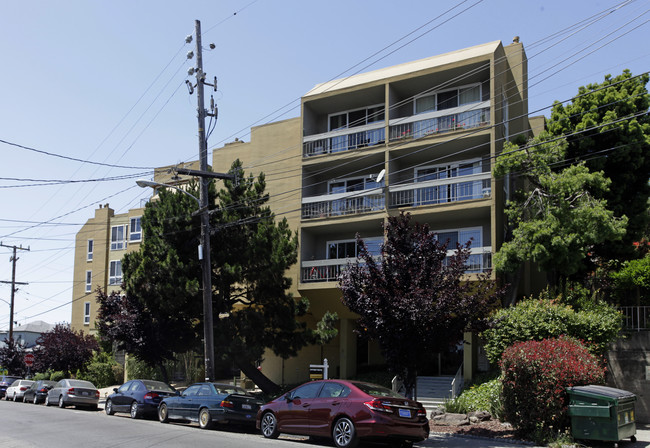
(16,391)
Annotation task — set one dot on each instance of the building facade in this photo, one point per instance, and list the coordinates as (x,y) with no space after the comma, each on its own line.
(419,137)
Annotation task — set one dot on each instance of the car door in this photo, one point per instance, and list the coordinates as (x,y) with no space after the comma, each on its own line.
(330,401)
(179,405)
(120,398)
(294,417)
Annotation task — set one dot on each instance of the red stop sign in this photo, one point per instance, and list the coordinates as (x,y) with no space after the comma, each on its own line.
(29,359)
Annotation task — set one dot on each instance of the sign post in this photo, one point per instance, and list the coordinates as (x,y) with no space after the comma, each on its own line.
(29,362)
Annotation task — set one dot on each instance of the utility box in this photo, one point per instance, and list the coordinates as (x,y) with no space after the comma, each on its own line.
(601,413)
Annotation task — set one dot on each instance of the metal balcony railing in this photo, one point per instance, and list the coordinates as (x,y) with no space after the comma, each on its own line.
(422,125)
(343,204)
(344,140)
(439,191)
(479,261)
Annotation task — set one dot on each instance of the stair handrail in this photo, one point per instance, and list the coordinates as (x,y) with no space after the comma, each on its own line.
(457,383)
(397,384)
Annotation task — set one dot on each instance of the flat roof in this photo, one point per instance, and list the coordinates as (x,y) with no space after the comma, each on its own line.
(405,68)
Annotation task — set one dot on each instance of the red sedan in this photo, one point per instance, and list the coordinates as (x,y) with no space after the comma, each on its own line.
(345,411)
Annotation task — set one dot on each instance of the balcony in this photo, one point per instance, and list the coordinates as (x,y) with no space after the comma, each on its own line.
(439,191)
(431,123)
(344,140)
(314,271)
(339,204)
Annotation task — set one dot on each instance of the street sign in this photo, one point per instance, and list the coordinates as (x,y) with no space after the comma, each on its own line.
(29,359)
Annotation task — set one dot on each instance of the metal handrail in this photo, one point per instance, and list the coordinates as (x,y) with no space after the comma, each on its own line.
(457,383)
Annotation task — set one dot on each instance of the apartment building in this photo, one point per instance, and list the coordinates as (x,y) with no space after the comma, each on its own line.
(99,247)
(419,137)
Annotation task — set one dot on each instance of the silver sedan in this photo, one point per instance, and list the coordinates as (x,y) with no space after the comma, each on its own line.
(73,392)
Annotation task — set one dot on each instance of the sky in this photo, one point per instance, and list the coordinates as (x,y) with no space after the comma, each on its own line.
(93,94)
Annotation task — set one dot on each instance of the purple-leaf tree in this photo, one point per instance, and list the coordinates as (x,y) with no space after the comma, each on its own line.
(63,349)
(414,300)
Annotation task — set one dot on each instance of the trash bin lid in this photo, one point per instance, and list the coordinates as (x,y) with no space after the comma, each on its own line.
(602,391)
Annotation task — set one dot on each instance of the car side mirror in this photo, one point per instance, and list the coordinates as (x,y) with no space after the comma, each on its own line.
(177,393)
(288,398)
(115,389)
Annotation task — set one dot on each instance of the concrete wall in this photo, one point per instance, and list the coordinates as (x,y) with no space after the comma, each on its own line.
(629,369)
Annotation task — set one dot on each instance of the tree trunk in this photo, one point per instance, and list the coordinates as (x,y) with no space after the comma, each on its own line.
(163,372)
(255,375)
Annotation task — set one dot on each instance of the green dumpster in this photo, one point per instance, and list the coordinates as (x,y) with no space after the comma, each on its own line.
(601,413)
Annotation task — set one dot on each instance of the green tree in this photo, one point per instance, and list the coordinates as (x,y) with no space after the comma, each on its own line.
(160,313)
(634,278)
(415,300)
(555,216)
(12,357)
(607,126)
(251,256)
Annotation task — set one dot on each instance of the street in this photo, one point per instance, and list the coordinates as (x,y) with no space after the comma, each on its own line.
(25,425)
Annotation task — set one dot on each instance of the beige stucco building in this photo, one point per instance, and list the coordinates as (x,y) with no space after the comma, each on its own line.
(417,137)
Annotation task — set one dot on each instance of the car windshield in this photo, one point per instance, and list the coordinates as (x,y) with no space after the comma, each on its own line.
(80,383)
(9,379)
(228,389)
(157,385)
(377,391)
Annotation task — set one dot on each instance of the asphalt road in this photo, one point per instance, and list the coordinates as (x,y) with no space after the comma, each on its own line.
(25,425)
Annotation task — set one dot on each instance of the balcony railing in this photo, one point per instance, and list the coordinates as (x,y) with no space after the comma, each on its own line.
(432,123)
(439,191)
(636,318)
(480,260)
(343,204)
(344,140)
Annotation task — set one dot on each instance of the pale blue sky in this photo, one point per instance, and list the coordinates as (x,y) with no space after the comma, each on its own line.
(104,81)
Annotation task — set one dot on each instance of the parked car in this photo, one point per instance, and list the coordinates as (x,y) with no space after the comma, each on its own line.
(207,403)
(73,392)
(345,411)
(5,382)
(138,398)
(38,391)
(17,389)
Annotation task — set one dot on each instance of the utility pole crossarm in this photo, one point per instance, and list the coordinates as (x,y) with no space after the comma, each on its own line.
(13,259)
(201,173)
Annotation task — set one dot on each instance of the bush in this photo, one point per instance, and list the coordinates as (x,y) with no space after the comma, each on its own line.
(480,397)
(102,371)
(533,320)
(57,376)
(535,377)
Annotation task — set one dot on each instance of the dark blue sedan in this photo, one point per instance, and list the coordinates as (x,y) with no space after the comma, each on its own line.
(207,403)
(138,397)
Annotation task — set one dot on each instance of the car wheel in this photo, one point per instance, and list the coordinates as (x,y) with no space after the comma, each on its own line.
(344,434)
(205,421)
(135,413)
(269,426)
(61,402)
(47,400)
(163,413)
(108,407)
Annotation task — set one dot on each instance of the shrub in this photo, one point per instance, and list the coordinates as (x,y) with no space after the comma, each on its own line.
(534,320)
(535,377)
(480,397)
(102,371)
(57,376)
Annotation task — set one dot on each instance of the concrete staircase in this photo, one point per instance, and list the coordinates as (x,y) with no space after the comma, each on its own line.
(432,391)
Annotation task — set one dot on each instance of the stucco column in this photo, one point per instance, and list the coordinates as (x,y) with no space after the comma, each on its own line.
(347,348)
(470,355)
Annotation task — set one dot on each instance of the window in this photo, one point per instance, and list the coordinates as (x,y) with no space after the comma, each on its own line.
(448,99)
(135,231)
(334,390)
(309,390)
(350,248)
(449,192)
(115,272)
(118,234)
(86,313)
(357,117)
(89,256)
(89,281)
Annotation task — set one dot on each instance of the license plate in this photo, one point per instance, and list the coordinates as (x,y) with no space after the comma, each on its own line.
(85,394)
(246,406)
(405,413)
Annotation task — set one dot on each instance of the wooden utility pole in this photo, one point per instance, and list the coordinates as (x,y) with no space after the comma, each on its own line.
(13,259)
